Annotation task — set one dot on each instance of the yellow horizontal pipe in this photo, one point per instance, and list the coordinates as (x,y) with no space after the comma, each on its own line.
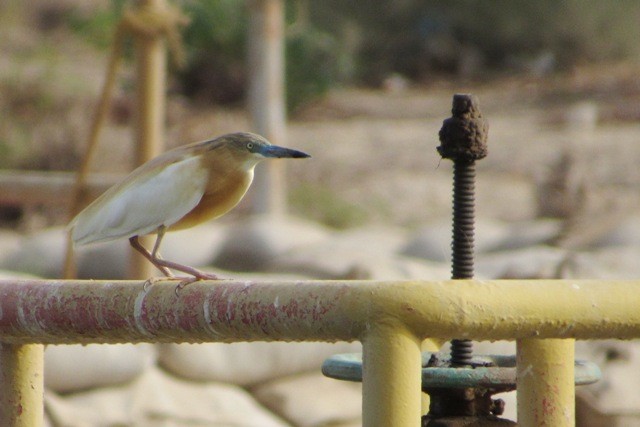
(35,311)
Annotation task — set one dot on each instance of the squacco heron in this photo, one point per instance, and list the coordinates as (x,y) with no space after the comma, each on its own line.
(176,190)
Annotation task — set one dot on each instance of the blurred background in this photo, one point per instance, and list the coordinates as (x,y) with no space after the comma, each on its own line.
(368,85)
(366,90)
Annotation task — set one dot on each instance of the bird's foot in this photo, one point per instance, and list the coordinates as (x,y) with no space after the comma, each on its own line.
(207,276)
(152,281)
(184,281)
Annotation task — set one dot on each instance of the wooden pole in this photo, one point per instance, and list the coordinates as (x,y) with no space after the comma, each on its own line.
(151,57)
(266,99)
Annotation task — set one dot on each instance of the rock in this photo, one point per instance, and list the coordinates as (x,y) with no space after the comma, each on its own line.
(40,254)
(107,261)
(385,238)
(614,263)
(252,243)
(71,368)
(10,242)
(612,401)
(312,400)
(626,232)
(329,261)
(197,246)
(433,241)
(537,262)
(368,253)
(158,399)
(522,234)
(561,191)
(589,413)
(502,195)
(246,363)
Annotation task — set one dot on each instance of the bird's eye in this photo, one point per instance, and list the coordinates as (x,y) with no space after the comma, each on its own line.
(249,145)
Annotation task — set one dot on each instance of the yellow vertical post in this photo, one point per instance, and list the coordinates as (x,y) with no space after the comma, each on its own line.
(391,378)
(21,385)
(266,98)
(546,383)
(151,57)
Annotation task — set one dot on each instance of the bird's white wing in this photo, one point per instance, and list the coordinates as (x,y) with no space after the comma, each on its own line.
(145,203)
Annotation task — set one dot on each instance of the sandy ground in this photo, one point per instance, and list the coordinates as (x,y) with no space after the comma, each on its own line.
(568,140)
(377,150)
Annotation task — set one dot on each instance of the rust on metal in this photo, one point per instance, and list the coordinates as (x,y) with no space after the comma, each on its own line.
(54,312)
(463,136)
(21,385)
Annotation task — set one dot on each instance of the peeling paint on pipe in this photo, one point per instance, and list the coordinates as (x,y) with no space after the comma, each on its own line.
(224,311)
(21,385)
(389,318)
(546,391)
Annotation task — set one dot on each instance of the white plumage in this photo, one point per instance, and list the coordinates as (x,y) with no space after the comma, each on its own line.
(143,204)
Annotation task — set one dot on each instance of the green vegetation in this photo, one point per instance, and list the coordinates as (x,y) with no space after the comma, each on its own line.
(216,41)
(420,37)
(322,205)
(97,27)
(333,42)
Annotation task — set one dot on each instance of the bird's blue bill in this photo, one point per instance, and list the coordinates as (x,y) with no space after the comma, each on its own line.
(281,152)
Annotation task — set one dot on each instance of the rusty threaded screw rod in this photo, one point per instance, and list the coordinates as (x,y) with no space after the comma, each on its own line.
(463,139)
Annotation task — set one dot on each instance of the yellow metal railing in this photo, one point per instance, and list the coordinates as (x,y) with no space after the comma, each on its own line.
(390,319)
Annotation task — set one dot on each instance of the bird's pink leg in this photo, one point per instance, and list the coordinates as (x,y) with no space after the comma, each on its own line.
(159,262)
(164,265)
(135,243)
